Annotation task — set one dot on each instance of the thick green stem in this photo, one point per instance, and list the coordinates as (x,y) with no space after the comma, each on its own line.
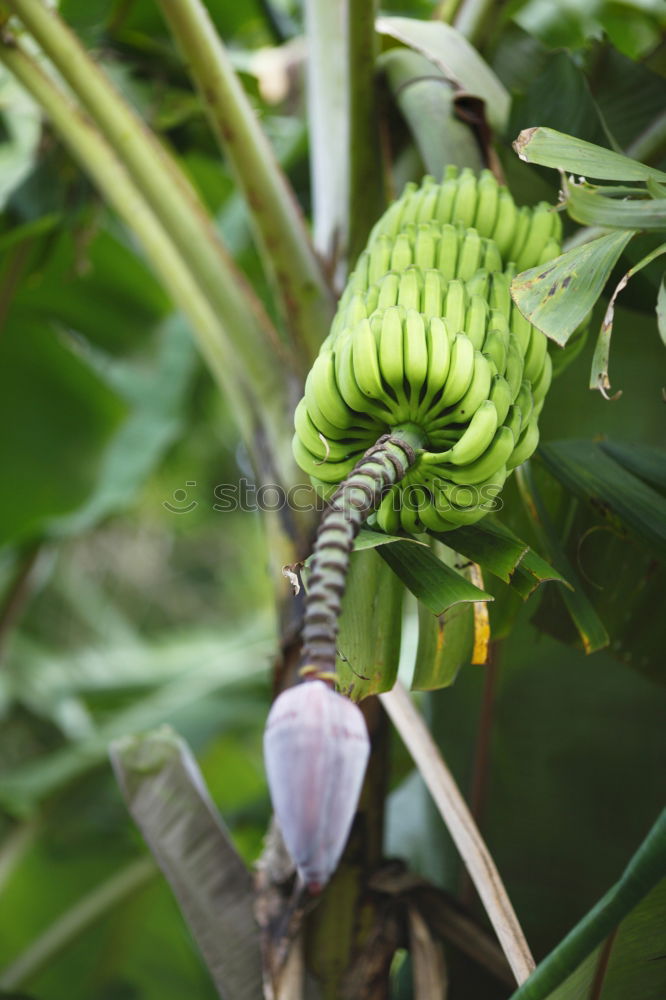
(383,465)
(366,193)
(287,252)
(472,18)
(328,127)
(251,338)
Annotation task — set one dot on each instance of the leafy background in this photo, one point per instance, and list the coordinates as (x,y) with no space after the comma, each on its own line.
(135,614)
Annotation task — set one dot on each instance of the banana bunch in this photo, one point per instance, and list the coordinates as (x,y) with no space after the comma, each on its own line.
(426,335)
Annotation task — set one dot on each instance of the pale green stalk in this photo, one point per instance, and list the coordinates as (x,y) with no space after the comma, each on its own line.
(328,127)
(472,18)
(297,277)
(249,333)
(366,194)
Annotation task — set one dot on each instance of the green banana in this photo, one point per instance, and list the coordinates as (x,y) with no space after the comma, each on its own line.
(425,246)
(461,370)
(469,258)
(505,223)
(500,394)
(426,334)
(478,435)
(464,205)
(493,458)
(535,355)
(476,320)
(455,305)
(487,203)
(448,247)
(495,346)
(525,446)
(477,392)
(410,288)
(538,235)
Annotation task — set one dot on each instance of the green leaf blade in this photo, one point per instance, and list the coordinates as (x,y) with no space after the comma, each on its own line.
(550,148)
(430,580)
(557,297)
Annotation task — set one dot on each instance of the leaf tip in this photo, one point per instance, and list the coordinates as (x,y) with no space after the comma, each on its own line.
(524,138)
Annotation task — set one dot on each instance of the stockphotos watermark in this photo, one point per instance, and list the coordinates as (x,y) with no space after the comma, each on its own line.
(244,495)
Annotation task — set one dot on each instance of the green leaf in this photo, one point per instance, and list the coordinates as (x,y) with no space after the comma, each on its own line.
(445,645)
(157,398)
(430,580)
(588,472)
(204,671)
(617,948)
(368,539)
(455,57)
(426,100)
(549,148)
(166,795)
(495,548)
(56,415)
(599,378)
(370,627)
(644,461)
(557,297)
(590,627)
(592,208)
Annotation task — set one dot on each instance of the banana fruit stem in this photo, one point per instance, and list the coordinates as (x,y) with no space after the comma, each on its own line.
(383,465)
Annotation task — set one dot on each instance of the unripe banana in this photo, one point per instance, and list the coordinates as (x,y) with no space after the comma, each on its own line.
(505,223)
(410,288)
(469,258)
(448,248)
(487,203)
(389,289)
(495,346)
(477,393)
(415,353)
(366,362)
(520,234)
(476,320)
(428,203)
(513,372)
(464,205)
(524,402)
(479,283)
(526,445)
(474,441)
(425,246)
(461,370)
(326,471)
(535,355)
(493,458)
(391,360)
(514,421)
(538,235)
(447,195)
(552,249)
(433,292)
(426,336)
(499,294)
(500,394)
(455,305)
(542,384)
(401,253)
